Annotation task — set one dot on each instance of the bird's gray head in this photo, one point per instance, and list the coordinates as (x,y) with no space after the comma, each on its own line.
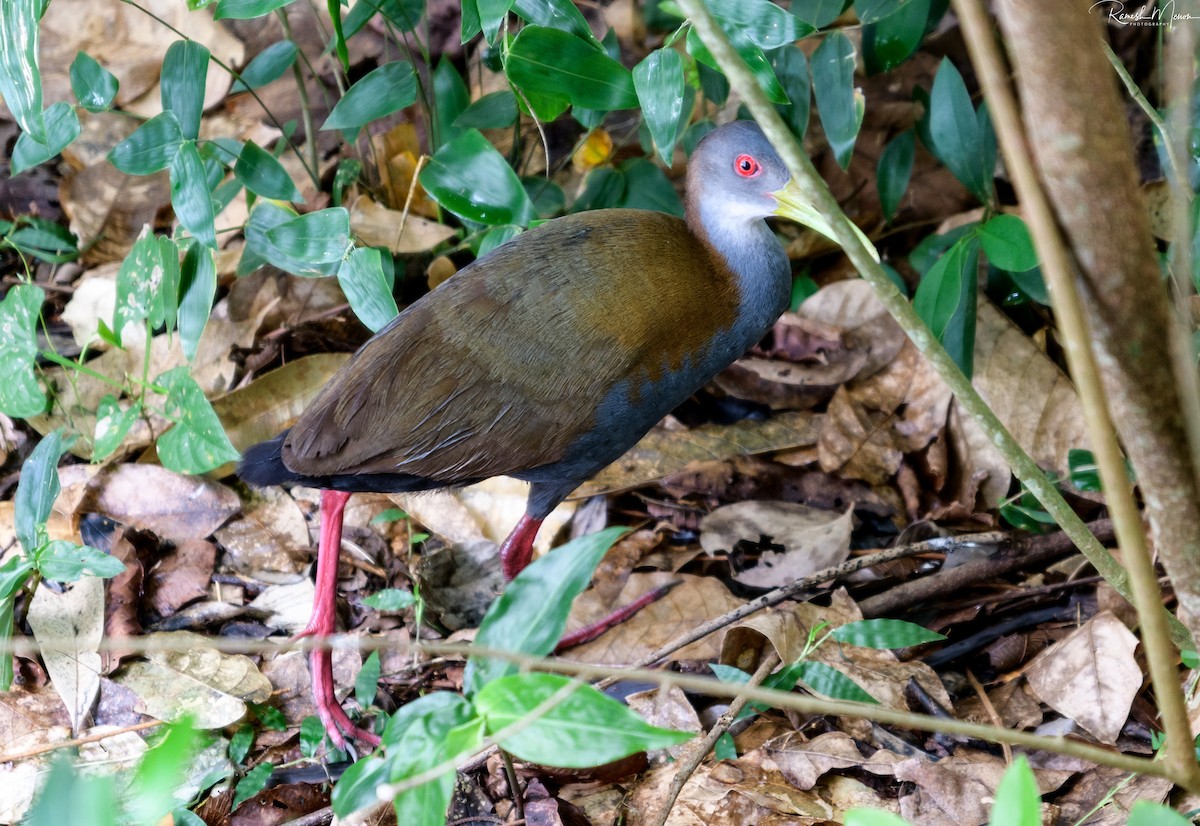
(735,171)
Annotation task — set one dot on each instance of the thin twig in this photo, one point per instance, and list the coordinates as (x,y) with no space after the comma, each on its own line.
(13,757)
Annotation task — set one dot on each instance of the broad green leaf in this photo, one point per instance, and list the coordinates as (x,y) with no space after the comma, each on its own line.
(872,11)
(895,170)
(334,7)
(112,424)
(471,179)
(68,792)
(495,111)
(356,787)
(1018,802)
(246,9)
(1007,244)
(753,56)
(197,287)
(604,187)
(62,127)
(890,41)
(367,288)
(139,285)
(818,13)
(647,187)
(451,100)
(184,71)
(260,173)
(1148,813)
(884,633)
(366,684)
(555,14)
(190,196)
(161,771)
(315,239)
(44,239)
(557,64)
(585,728)
(548,197)
(874,817)
(839,104)
(497,237)
(945,300)
(491,15)
(791,67)
(470,25)
(253,783)
(659,83)
(150,148)
(93,85)
(63,561)
(312,734)
(20,80)
(390,600)
(13,575)
(20,394)
(243,739)
(165,307)
(531,614)
(387,89)
(403,14)
(827,680)
(954,132)
(1084,473)
(760,22)
(197,443)
(267,66)
(37,488)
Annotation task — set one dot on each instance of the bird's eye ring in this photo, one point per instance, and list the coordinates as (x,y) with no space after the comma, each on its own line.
(746,166)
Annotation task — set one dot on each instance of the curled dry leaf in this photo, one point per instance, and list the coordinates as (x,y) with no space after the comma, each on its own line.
(667,709)
(122,594)
(1091,676)
(803,761)
(270,540)
(180,577)
(396,153)
(812,539)
(377,226)
(68,627)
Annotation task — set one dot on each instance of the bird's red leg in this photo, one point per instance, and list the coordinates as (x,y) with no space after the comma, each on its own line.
(516,553)
(324,622)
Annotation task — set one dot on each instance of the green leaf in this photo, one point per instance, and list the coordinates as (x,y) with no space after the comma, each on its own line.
(112,424)
(246,9)
(873,817)
(827,680)
(390,600)
(67,793)
(471,179)
(20,80)
(839,104)
(311,242)
(585,728)
(884,633)
(253,783)
(1147,813)
(37,488)
(368,288)
(659,83)
(13,575)
(366,684)
(267,66)
(63,561)
(945,300)
(260,173)
(491,15)
(604,187)
(387,89)
(725,748)
(139,285)
(356,787)
(872,11)
(197,287)
(530,615)
(452,99)
(760,22)
(1084,472)
(556,14)
(1018,802)
(44,239)
(161,772)
(753,57)
(150,148)
(197,443)
(495,111)
(818,13)
(895,170)
(954,132)
(20,394)
(61,128)
(312,734)
(190,195)
(547,196)
(791,67)
(893,39)
(1007,244)
(184,72)
(403,14)
(647,187)
(93,85)
(554,63)
(242,741)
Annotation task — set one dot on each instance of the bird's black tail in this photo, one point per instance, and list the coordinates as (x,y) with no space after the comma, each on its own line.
(262,464)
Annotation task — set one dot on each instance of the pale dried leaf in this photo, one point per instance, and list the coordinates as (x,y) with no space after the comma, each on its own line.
(289,606)
(803,762)
(813,539)
(1091,676)
(270,540)
(377,226)
(68,626)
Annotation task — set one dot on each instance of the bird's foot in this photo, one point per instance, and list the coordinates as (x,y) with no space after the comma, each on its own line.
(591,632)
(337,723)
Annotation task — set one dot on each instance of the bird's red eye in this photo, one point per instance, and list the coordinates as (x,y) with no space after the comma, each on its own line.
(746,166)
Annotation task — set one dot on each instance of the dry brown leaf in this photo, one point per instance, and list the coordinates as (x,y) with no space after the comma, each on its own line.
(694,601)
(122,603)
(396,153)
(812,539)
(377,226)
(288,607)
(1091,677)
(1013,703)
(270,539)
(289,675)
(668,708)
(68,626)
(803,762)
(181,576)
(661,453)
(1100,783)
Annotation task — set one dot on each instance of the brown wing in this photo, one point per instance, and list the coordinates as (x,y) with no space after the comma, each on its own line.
(500,369)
